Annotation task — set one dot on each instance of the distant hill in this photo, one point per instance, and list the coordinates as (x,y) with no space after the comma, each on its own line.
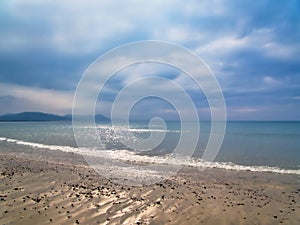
(32,116)
(41,117)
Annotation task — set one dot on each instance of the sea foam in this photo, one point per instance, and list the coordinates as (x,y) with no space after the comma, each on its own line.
(170,159)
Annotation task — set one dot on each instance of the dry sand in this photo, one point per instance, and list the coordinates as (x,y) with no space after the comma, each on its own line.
(38,191)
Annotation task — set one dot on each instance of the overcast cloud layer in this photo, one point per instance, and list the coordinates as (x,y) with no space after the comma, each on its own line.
(252,47)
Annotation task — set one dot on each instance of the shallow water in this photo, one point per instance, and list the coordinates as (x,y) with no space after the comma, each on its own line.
(255,146)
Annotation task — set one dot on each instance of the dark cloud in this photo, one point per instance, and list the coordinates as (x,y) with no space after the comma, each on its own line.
(43,69)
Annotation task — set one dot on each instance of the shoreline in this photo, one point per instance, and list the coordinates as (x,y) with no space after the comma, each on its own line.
(144,158)
(61,188)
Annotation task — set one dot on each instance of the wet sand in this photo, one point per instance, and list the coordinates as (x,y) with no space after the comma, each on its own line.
(34,190)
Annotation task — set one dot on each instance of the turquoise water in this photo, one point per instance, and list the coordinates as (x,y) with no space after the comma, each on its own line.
(255,144)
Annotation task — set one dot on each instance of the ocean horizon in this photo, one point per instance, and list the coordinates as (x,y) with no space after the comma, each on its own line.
(267,146)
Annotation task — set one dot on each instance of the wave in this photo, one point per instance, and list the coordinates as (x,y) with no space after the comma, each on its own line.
(139,130)
(171,159)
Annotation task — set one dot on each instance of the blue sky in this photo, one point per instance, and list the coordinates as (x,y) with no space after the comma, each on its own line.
(252,47)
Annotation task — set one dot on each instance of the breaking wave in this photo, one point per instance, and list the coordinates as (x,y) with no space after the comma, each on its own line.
(170,159)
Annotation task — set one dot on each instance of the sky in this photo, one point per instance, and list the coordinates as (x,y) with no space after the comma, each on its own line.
(252,47)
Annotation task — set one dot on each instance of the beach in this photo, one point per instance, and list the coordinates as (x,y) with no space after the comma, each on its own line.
(61,188)
(150,112)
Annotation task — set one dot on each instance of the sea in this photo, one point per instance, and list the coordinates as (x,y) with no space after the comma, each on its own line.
(259,146)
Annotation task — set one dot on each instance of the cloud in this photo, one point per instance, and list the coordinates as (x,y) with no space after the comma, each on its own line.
(37,99)
(82,27)
(271,81)
(282,51)
(252,47)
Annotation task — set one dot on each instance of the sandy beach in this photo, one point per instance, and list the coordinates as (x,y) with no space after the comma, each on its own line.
(35,190)
(181,112)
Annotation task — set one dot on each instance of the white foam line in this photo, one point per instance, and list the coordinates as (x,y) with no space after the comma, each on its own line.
(153,130)
(38,145)
(125,155)
(123,128)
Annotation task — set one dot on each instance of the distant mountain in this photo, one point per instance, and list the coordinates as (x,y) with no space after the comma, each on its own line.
(40,117)
(32,116)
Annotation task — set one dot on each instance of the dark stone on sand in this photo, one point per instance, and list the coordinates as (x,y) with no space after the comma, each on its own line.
(37,199)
